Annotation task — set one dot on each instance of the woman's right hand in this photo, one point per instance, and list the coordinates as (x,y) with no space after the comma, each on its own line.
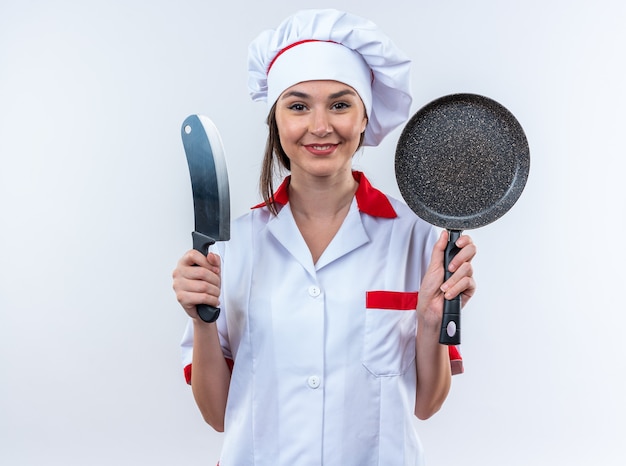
(196,280)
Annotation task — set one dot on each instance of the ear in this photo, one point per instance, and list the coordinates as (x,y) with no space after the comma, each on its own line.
(365,121)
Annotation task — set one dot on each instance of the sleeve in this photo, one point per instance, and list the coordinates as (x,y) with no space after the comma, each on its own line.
(186,346)
(456,361)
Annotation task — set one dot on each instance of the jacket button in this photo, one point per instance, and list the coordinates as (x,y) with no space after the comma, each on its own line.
(314,381)
(314,291)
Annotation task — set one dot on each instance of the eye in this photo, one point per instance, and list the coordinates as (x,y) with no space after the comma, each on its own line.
(297,107)
(341,106)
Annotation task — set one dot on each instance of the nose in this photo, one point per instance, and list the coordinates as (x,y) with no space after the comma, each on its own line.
(320,124)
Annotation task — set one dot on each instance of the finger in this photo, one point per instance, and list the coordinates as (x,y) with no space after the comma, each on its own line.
(466,287)
(193,272)
(189,301)
(469,291)
(214,261)
(433,278)
(203,282)
(463,241)
(465,254)
(193,260)
(459,281)
(211,287)
(437,256)
(189,277)
(193,257)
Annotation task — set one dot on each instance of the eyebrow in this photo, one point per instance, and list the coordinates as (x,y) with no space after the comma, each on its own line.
(303,95)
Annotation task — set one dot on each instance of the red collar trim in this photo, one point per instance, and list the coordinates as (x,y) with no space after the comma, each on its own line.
(369,199)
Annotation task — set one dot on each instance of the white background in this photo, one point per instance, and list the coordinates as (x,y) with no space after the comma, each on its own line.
(96,208)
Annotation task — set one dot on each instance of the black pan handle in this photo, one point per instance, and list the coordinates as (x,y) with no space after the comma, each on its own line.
(201,243)
(451,321)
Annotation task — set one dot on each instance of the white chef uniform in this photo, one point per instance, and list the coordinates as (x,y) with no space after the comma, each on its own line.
(324,353)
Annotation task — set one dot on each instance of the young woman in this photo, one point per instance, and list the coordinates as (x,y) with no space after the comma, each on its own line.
(331,292)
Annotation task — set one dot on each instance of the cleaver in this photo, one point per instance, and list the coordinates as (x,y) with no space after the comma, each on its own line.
(209,184)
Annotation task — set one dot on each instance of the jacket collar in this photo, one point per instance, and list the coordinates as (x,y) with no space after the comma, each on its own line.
(369,199)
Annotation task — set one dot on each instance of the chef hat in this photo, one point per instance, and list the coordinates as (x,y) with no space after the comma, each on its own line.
(334,45)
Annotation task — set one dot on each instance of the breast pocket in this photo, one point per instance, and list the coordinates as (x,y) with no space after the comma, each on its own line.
(389,337)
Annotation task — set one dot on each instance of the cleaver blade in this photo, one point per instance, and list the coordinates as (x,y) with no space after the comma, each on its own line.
(209,184)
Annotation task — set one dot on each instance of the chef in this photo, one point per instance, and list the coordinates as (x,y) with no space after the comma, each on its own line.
(331,292)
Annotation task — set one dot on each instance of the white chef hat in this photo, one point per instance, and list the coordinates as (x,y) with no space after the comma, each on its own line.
(334,45)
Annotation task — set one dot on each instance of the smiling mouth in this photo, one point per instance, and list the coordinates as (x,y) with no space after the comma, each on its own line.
(321,147)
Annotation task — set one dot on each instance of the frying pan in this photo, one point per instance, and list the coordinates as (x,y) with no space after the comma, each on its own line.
(461,162)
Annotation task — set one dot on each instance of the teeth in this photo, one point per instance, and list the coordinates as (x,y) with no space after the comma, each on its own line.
(321,147)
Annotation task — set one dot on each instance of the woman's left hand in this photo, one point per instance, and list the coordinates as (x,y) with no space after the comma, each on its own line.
(434,289)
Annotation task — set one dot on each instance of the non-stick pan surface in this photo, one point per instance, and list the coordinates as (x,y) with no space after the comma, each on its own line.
(462,161)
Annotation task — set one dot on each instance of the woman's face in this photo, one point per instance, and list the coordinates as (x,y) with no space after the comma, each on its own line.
(320,125)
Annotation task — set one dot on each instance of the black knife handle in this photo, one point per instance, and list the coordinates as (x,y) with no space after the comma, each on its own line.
(451,321)
(201,243)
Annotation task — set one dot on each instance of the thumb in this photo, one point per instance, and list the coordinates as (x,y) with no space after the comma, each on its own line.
(439,249)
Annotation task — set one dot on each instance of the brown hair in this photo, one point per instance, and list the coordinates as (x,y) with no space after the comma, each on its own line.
(268,169)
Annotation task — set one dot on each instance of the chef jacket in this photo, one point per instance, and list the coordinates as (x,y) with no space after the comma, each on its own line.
(322,354)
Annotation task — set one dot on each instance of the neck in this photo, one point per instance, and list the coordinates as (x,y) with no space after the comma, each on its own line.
(326,197)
